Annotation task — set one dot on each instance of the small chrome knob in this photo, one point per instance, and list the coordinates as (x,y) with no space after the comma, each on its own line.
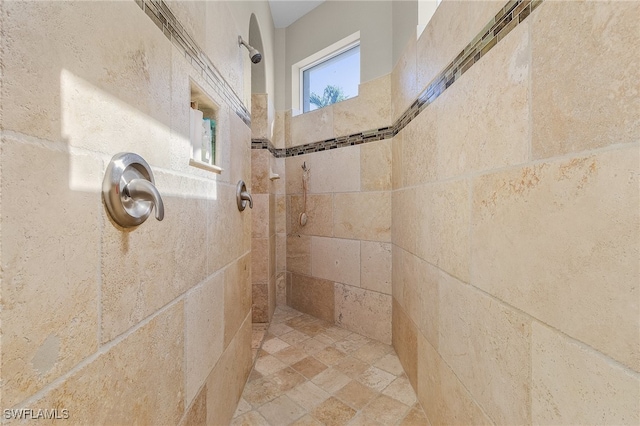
(242,196)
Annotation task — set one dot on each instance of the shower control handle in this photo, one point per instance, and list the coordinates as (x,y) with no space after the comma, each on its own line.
(243,196)
(142,189)
(129,190)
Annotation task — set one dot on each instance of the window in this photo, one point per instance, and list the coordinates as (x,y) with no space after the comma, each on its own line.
(335,68)
(332,79)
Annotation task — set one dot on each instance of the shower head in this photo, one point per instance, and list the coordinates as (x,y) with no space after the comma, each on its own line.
(253,52)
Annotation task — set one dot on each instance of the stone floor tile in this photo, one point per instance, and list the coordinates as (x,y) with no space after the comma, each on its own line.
(281,411)
(372,352)
(362,420)
(252,418)
(386,410)
(291,355)
(401,390)
(268,364)
(293,337)
(331,380)
(308,395)
(274,345)
(356,394)
(286,379)
(391,364)
(415,418)
(376,378)
(330,355)
(332,412)
(279,329)
(335,377)
(313,346)
(243,407)
(351,367)
(309,367)
(260,391)
(307,420)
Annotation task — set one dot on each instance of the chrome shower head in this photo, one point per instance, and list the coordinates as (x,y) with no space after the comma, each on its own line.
(253,52)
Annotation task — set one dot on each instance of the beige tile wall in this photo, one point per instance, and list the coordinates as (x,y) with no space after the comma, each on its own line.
(95,318)
(515,220)
(263,228)
(343,254)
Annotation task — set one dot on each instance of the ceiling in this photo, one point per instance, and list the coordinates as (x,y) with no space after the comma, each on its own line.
(286,12)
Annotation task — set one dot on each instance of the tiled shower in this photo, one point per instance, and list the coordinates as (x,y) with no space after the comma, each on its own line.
(472,219)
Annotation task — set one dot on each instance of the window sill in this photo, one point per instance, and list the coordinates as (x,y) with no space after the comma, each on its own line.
(205,166)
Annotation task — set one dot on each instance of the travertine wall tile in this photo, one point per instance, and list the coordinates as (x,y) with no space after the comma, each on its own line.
(133,263)
(107,392)
(124,81)
(222,47)
(444,398)
(312,126)
(281,289)
(237,296)
(488,346)
(403,81)
(197,414)
(375,166)
(50,258)
(336,259)
(319,211)
(278,130)
(436,47)
(260,159)
(260,260)
(363,311)
(559,241)
(240,149)
(225,223)
(420,293)
(404,338)
(362,215)
(313,296)
(375,266)
(281,253)
(397,171)
(260,216)
(574,384)
(259,117)
(418,157)
(230,374)
(193,17)
(281,214)
(336,170)
(371,109)
(102,78)
(500,82)
(204,332)
(599,104)
(299,254)
(397,274)
(441,227)
(260,303)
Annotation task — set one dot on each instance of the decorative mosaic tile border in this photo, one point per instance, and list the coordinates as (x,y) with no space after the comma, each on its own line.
(162,16)
(507,18)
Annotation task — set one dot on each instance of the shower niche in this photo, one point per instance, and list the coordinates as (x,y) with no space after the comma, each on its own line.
(203,131)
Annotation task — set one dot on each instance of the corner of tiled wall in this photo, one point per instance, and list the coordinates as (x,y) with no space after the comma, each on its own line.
(94,315)
(510,255)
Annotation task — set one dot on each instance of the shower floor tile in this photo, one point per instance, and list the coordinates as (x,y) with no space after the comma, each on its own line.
(310,372)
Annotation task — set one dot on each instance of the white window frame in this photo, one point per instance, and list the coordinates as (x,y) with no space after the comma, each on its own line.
(327,53)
